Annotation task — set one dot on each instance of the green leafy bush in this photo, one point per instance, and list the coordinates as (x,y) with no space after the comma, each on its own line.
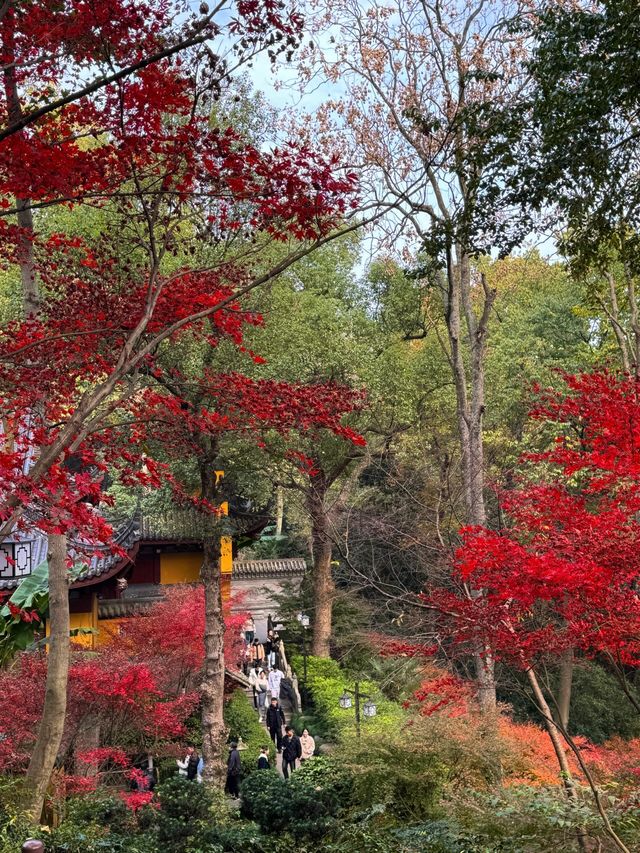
(394,771)
(242,722)
(92,838)
(98,823)
(185,815)
(265,799)
(101,808)
(305,805)
(364,839)
(14,826)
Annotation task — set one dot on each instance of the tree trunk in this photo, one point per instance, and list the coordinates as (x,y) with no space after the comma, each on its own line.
(323,585)
(558,747)
(51,728)
(469,387)
(279,510)
(214,732)
(564,688)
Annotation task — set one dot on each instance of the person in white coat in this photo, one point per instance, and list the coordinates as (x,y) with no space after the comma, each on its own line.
(273,681)
(308,745)
(253,681)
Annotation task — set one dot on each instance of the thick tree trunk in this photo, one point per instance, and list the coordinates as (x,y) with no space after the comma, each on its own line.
(469,383)
(323,585)
(323,593)
(51,728)
(214,732)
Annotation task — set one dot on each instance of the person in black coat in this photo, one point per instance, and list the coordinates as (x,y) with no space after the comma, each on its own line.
(234,767)
(275,721)
(263,759)
(192,765)
(291,751)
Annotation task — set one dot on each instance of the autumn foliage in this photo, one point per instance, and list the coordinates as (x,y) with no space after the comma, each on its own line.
(141,147)
(139,689)
(564,573)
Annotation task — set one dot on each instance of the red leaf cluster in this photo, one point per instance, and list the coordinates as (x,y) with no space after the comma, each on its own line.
(144,148)
(565,573)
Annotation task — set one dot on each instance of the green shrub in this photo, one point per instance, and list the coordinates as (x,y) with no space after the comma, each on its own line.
(239,837)
(393,771)
(92,838)
(242,722)
(527,819)
(363,839)
(185,815)
(442,836)
(14,825)
(306,805)
(265,799)
(100,808)
(326,774)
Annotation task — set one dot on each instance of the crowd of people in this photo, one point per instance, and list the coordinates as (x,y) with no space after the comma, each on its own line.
(262,662)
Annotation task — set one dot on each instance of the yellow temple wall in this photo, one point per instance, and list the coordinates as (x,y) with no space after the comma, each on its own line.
(180,568)
(83,620)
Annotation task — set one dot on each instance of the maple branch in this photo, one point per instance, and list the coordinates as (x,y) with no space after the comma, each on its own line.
(33,116)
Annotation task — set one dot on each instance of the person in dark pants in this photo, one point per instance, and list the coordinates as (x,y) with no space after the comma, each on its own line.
(291,751)
(263,759)
(234,767)
(275,721)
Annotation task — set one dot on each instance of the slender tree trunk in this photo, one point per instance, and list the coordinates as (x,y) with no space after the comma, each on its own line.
(51,728)
(279,510)
(558,747)
(564,688)
(323,585)
(214,732)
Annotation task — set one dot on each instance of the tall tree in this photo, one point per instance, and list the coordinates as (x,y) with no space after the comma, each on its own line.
(420,81)
(104,320)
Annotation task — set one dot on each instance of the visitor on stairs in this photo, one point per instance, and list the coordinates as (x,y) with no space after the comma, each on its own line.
(256,652)
(234,767)
(291,751)
(263,759)
(272,648)
(261,690)
(253,681)
(275,721)
(275,677)
(249,629)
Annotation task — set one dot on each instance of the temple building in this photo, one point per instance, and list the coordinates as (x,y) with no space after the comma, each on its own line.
(162,549)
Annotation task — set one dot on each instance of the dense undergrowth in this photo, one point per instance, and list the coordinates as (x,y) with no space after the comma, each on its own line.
(443,782)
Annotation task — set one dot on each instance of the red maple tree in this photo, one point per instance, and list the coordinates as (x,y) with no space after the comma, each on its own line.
(564,574)
(138,142)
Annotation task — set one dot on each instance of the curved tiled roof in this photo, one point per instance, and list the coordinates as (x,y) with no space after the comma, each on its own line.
(189,525)
(101,562)
(272,569)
